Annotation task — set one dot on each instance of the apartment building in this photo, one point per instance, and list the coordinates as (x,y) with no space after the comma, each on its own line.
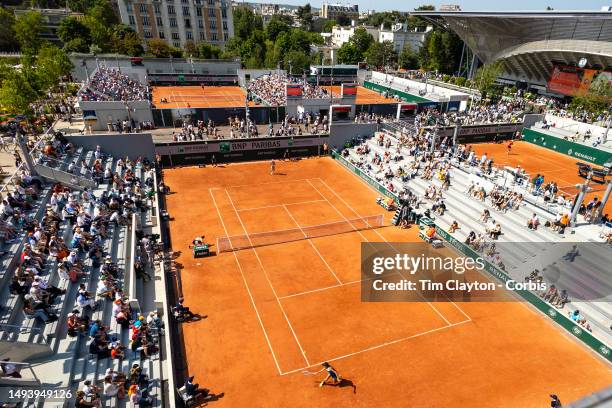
(332,11)
(400,36)
(179,21)
(341,35)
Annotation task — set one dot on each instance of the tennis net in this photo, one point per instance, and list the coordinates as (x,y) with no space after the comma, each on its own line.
(238,242)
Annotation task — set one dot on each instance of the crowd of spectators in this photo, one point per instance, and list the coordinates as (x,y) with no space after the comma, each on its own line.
(477,114)
(109,84)
(365,117)
(239,128)
(271,88)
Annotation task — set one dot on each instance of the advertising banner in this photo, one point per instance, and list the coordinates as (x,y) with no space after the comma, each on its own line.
(294,91)
(349,90)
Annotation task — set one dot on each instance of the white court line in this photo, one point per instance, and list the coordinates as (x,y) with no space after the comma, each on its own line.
(388,343)
(353,210)
(367,240)
(279,205)
(385,240)
(268,279)
(260,184)
(247,288)
(328,287)
(313,246)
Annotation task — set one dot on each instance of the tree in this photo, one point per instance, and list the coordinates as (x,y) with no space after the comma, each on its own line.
(131,45)
(16,94)
(349,54)
(304,16)
(297,62)
(440,52)
(126,41)
(381,54)
(328,26)
(81,6)
(159,48)
(353,51)
(343,20)
(7,33)
(600,88)
(103,12)
(435,51)
(208,51)
(245,22)
(71,28)
(190,49)
(276,26)
(27,28)
(101,35)
(486,76)
(52,63)
(408,59)
(362,39)
(416,22)
(77,45)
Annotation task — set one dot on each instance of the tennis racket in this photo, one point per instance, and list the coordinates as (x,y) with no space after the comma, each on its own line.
(306,372)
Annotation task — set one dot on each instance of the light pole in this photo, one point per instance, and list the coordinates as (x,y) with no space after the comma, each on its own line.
(609,123)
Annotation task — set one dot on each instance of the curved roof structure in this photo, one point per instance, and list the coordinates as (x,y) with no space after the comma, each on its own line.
(530,43)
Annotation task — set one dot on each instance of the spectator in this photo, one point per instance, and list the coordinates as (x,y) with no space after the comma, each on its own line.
(9,369)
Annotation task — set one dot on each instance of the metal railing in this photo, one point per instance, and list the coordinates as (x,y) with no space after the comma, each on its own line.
(16,329)
(64,177)
(131,277)
(36,148)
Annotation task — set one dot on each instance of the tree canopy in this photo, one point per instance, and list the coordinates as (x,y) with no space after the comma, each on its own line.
(304,16)
(8,41)
(354,50)
(27,29)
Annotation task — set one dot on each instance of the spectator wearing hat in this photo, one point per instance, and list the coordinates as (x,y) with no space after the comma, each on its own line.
(84,299)
(77,324)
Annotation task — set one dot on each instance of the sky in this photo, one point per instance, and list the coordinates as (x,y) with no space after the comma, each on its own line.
(468,5)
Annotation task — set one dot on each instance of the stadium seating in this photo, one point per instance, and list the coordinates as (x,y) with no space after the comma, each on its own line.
(526,245)
(67,357)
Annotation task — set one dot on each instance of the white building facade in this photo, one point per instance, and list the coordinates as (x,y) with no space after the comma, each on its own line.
(341,35)
(400,36)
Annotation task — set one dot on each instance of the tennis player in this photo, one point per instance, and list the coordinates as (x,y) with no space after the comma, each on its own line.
(510,147)
(331,373)
(272,167)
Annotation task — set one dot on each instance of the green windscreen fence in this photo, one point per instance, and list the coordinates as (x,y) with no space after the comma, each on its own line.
(407,97)
(567,147)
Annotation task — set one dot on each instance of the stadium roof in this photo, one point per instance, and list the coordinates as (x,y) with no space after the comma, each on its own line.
(530,42)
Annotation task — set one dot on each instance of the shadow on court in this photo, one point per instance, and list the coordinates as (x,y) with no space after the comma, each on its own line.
(344,383)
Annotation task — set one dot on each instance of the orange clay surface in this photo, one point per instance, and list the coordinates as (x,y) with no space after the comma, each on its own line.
(364,96)
(199,97)
(536,159)
(277,310)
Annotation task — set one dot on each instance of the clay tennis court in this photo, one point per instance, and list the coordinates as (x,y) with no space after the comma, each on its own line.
(364,96)
(276,310)
(536,159)
(199,97)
